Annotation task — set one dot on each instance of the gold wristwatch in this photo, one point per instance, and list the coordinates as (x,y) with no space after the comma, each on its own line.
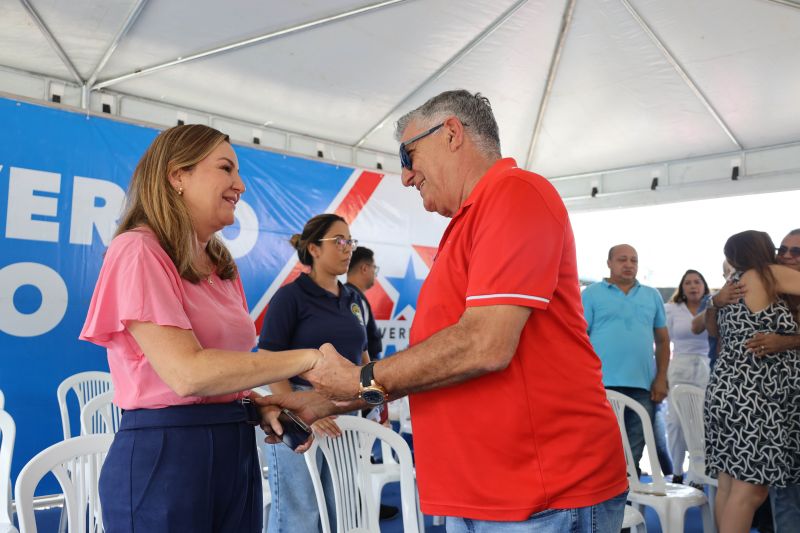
(370,391)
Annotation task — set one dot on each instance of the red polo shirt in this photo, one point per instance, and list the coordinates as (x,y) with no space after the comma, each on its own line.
(539,434)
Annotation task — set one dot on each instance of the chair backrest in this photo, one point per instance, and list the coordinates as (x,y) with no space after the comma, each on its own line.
(8,433)
(348,458)
(85,385)
(100,415)
(400,412)
(688,402)
(619,402)
(76,464)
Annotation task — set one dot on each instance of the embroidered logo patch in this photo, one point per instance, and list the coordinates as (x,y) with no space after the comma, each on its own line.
(356,310)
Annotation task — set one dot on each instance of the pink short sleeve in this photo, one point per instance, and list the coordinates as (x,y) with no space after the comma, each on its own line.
(137,281)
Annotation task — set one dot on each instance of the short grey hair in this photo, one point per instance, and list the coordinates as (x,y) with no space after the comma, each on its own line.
(473,110)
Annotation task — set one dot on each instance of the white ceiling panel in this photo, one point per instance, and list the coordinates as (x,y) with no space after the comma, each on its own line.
(85,30)
(332,81)
(639,81)
(617,101)
(23,46)
(507,68)
(744,55)
(170,29)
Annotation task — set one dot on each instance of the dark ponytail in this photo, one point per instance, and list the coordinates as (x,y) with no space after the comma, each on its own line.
(313,231)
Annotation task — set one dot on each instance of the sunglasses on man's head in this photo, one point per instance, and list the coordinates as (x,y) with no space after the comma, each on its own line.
(794,251)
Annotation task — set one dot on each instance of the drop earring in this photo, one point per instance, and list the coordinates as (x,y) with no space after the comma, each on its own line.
(180,191)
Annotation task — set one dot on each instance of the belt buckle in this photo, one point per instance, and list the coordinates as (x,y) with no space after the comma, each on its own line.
(253,417)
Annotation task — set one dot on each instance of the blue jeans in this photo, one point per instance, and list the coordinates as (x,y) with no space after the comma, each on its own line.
(294,503)
(785,508)
(604,517)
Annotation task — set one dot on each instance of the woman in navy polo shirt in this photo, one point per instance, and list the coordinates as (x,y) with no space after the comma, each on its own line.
(312,310)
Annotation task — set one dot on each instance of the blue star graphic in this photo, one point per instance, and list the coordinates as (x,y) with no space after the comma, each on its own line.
(408,289)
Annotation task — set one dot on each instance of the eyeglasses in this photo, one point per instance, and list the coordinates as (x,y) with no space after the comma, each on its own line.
(342,243)
(794,251)
(377,268)
(405,157)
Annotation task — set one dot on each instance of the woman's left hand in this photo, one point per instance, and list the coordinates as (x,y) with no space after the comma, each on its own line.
(762,344)
(269,423)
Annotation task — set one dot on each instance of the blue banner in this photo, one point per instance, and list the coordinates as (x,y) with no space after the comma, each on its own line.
(63,177)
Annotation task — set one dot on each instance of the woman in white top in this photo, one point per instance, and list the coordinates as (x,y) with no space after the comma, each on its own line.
(689,363)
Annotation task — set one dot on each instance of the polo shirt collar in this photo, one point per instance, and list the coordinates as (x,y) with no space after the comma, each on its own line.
(497,169)
(310,286)
(353,287)
(609,284)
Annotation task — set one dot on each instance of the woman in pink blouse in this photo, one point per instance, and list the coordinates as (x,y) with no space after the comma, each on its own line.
(170,309)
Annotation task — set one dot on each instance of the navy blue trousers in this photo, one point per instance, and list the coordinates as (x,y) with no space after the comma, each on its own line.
(183,468)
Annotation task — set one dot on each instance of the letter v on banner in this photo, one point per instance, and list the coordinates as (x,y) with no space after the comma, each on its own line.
(348,204)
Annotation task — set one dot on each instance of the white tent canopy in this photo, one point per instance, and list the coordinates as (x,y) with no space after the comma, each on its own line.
(619,96)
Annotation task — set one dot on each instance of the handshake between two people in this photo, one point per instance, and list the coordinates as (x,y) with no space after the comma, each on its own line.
(336,386)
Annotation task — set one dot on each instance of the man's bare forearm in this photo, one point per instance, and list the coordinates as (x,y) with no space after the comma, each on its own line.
(412,371)
(481,342)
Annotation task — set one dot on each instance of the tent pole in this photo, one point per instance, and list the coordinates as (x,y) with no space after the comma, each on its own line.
(566,21)
(247,42)
(681,72)
(52,41)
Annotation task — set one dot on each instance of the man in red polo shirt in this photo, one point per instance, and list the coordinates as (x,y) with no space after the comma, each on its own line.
(512,430)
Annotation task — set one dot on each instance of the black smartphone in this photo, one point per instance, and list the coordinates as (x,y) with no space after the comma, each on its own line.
(295,431)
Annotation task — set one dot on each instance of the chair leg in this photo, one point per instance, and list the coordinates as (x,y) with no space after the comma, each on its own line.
(62,519)
(663,518)
(420,516)
(712,502)
(676,516)
(707,512)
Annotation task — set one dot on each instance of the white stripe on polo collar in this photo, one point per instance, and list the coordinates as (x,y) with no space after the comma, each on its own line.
(522,296)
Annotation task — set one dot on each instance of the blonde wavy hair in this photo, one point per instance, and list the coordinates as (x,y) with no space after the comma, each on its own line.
(153,202)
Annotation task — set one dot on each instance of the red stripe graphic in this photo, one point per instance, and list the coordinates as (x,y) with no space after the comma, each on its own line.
(349,208)
(427,253)
(357,197)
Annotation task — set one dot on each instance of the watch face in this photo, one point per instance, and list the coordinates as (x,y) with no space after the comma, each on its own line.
(372,396)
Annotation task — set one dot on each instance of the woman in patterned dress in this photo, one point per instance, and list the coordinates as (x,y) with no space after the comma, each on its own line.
(752,410)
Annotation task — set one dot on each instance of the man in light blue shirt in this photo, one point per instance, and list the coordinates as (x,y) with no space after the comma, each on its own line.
(625,319)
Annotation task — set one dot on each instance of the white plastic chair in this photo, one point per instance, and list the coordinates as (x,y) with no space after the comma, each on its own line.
(100,415)
(388,471)
(265,493)
(348,458)
(688,401)
(8,433)
(669,500)
(76,464)
(633,520)
(85,385)
(2,400)
(400,412)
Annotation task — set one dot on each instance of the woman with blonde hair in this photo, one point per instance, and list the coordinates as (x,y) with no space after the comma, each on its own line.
(751,417)
(170,309)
